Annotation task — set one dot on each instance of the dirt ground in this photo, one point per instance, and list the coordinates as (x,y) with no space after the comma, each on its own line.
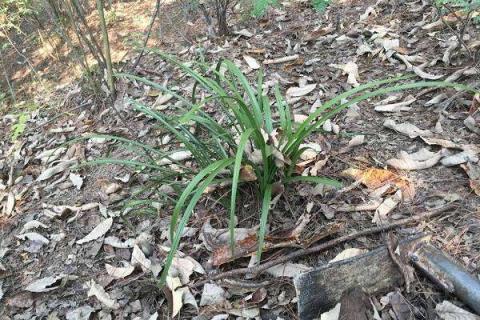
(40,231)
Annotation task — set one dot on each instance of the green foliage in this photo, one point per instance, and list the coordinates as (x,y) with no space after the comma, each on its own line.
(261,6)
(13,11)
(19,127)
(251,135)
(320,5)
(465,5)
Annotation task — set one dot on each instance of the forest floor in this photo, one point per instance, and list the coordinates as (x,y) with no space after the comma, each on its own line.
(53,267)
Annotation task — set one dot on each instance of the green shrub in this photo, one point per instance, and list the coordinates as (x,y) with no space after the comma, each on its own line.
(249,122)
(19,127)
(320,5)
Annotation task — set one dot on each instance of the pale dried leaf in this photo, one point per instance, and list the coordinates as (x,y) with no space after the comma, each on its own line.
(252,63)
(471,124)
(176,156)
(424,75)
(313,149)
(33,236)
(117,243)
(177,295)
(332,314)
(288,270)
(448,311)
(33,224)
(76,180)
(407,129)
(139,259)
(301,91)
(99,292)
(459,158)
(50,172)
(386,207)
(10,205)
(81,313)
(420,160)
(397,107)
(44,284)
(100,230)
(212,294)
(348,253)
(119,272)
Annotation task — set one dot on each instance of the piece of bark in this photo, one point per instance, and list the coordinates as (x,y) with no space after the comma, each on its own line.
(355,305)
(375,272)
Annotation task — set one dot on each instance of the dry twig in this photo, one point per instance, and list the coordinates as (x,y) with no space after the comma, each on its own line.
(255,271)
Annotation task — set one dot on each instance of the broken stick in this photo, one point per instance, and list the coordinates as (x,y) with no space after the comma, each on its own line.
(255,271)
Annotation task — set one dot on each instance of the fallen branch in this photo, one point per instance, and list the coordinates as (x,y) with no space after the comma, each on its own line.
(255,271)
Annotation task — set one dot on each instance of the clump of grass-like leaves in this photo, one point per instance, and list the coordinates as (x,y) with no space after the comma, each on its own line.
(254,133)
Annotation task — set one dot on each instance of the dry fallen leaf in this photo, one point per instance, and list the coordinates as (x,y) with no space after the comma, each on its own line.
(288,269)
(44,285)
(99,292)
(252,63)
(348,253)
(212,294)
(448,311)
(76,180)
(396,107)
(100,230)
(50,172)
(473,172)
(120,272)
(419,160)
(459,158)
(80,313)
(386,207)
(176,156)
(407,129)
(374,179)
(139,259)
(301,91)
(332,314)
(351,69)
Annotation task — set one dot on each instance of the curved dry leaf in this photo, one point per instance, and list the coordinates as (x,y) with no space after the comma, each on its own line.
(448,311)
(288,269)
(301,91)
(33,224)
(252,63)
(10,205)
(407,129)
(351,69)
(119,272)
(97,291)
(415,161)
(212,294)
(396,107)
(185,267)
(81,313)
(177,295)
(459,158)
(424,75)
(117,243)
(176,156)
(33,236)
(348,253)
(44,285)
(100,230)
(375,179)
(139,259)
(473,172)
(76,180)
(436,100)
(387,206)
(471,124)
(50,172)
(311,152)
